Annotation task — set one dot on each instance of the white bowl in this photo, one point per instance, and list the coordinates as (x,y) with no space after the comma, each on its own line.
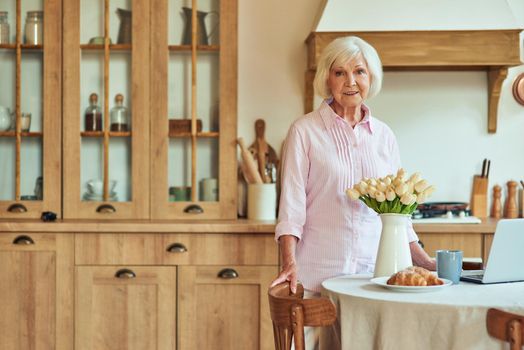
(97,186)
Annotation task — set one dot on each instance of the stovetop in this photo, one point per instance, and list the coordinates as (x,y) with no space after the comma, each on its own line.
(432,216)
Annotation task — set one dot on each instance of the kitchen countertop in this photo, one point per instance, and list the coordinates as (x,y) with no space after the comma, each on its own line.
(208,226)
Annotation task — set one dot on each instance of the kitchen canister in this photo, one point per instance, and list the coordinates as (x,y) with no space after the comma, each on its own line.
(34,28)
(4,28)
(209,189)
(262,201)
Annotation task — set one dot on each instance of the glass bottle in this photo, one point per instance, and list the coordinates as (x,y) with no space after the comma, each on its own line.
(119,117)
(93,115)
(34,26)
(4,28)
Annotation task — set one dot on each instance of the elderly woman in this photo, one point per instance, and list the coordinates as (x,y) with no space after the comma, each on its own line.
(321,232)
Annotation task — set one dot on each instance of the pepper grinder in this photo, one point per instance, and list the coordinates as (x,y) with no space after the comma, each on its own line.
(496,204)
(510,207)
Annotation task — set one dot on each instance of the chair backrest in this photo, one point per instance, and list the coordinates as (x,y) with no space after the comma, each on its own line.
(291,312)
(506,326)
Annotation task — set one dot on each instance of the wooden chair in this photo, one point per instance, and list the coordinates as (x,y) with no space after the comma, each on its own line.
(506,326)
(291,312)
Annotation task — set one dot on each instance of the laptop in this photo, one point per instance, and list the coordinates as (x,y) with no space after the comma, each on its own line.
(506,257)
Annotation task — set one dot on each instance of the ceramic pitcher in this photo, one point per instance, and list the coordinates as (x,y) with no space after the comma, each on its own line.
(202,36)
(5,118)
(393,251)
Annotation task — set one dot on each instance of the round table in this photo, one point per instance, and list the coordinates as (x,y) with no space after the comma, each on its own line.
(453,317)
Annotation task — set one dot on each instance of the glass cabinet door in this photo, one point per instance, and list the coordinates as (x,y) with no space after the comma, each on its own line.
(106,109)
(30,109)
(193,109)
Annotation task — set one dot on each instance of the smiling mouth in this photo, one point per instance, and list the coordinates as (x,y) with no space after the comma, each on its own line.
(350,93)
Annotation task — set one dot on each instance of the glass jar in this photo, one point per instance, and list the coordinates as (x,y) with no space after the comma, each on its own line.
(119,117)
(4,28)
(34,28)
(93,115)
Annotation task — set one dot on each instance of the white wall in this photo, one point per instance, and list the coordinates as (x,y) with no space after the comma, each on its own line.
(440,118)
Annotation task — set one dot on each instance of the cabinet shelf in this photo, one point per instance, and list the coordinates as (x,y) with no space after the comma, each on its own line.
(187,48)
(101,133)
(207,134)
(112,47)
(22,46)
(24,134)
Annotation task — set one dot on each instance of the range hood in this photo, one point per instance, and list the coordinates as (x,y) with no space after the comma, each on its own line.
(425,35)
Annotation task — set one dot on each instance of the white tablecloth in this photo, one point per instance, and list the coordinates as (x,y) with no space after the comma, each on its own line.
(454,317)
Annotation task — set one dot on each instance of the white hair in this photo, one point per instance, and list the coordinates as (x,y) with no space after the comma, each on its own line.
(340,51)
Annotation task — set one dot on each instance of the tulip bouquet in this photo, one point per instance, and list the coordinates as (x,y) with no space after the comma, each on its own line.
(392,194)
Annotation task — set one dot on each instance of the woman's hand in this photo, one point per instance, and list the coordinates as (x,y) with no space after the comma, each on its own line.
(288,273)
(288,245)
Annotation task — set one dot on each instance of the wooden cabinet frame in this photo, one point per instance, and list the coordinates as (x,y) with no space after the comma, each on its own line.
(138,207)
(226,207)
(51,112)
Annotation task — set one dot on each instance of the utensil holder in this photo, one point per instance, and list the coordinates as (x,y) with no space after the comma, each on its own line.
(479,197)
(261,201)
(521,203)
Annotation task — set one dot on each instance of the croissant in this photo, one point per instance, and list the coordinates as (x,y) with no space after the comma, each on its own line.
(430,278)
(407,278)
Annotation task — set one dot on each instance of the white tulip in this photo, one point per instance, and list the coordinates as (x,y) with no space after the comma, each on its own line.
(410,187)
(381,186)
(372,182)
(406,199)
(390,194)
(401,189)
(421,186)
(428,191)
(380,196)
(353,194)
(387,181)
(400,173)
(414,178)
(421,199)
(397,182)
(362,187)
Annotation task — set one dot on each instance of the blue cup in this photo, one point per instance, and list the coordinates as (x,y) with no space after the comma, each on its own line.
(449,264)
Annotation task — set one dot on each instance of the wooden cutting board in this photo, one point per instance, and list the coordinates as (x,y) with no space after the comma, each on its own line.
(262,151)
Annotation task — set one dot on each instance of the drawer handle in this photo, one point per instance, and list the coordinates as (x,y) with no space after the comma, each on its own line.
(125,273)
(23,240)
(228,274)
(194,209)
(17,208)
(177,248)
(106,209)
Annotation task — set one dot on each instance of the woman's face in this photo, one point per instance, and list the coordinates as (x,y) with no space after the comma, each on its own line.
(350,83)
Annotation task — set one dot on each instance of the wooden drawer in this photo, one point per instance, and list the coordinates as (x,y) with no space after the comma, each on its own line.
(175,249)
(221,249)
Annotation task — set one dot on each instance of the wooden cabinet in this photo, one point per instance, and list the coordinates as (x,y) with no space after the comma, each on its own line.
(193,80)
(30,88)
(125,308)
(470,243)
(224,307)
(36,311)
(132,288)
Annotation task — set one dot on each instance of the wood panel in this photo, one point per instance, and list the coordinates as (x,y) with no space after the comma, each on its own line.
(132,313)
(151,249)
(488,241)
(36,311)
(471,244)
(473,48)
(218,313)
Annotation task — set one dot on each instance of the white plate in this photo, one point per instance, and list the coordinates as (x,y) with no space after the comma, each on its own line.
(381,281)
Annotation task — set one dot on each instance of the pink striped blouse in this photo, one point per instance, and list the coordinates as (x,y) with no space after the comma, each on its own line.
(323,156)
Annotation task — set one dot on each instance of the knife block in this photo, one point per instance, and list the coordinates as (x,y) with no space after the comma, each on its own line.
(479,197)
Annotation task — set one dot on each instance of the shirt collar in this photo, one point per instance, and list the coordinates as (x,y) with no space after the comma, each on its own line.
(329,116)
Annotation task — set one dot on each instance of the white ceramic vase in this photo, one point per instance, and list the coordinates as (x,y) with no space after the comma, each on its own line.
(393,251)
